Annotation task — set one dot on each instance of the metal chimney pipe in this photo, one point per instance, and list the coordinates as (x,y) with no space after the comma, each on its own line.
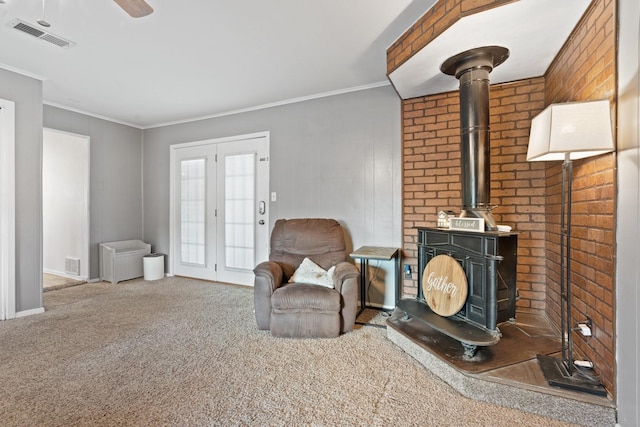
(472,68)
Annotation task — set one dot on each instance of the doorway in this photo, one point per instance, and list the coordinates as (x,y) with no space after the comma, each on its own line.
(65,208)
(219,218)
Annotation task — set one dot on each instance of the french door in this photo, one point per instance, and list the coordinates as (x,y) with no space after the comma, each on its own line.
(219,216)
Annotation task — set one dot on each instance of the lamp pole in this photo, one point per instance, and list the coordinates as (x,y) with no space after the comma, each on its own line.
(565,264)
(560,130)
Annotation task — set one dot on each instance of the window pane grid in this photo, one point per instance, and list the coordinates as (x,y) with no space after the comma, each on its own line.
(192,211)
(239,211)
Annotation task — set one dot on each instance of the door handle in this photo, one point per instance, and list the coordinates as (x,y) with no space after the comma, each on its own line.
(262,208)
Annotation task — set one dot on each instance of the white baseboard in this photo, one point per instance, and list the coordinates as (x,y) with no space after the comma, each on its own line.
(30,312)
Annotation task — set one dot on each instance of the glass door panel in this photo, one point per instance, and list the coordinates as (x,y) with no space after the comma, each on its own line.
(194,219)
(192,211)
(239,211)
(243,220)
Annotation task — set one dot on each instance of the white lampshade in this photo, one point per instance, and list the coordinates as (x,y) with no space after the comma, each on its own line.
(572,130)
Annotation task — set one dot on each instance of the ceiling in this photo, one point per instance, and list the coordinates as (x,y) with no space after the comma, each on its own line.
(532,30)
(201,58)
(207,58)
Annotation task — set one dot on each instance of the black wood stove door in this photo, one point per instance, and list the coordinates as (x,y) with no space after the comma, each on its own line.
(489,260)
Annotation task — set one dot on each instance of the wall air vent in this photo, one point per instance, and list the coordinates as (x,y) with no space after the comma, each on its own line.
(72,266)
(38,33)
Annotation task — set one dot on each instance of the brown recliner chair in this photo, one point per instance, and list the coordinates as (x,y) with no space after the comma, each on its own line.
(300,309)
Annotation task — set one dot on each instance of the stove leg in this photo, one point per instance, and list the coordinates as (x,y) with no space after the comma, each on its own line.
(469,350)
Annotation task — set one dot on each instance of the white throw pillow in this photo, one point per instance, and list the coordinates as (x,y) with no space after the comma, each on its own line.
(311,273)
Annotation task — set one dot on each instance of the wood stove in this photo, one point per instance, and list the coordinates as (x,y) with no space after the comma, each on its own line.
(489,260)
(488,257)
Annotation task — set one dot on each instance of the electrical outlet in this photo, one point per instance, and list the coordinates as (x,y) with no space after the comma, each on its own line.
(407,271)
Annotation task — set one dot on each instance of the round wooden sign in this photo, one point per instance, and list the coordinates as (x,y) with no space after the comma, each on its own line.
(444,285)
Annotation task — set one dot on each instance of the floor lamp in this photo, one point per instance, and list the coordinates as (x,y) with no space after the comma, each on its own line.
(569,131)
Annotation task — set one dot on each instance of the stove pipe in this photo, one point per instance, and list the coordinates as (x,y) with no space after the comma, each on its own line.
(472,68)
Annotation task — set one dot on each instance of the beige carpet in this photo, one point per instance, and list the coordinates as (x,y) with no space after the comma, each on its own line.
(187,353)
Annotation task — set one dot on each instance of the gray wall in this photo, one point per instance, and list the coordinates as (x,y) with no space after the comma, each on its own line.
(26,92)
(115,201)
(628,270)
(337,157)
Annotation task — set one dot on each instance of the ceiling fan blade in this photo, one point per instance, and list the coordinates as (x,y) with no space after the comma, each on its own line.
(135,8)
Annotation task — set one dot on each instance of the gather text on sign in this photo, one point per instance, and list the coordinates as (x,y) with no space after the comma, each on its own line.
(444,285)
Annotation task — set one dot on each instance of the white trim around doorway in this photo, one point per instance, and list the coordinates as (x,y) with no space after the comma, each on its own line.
(7,211)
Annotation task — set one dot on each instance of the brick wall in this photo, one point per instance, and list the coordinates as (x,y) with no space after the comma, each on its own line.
(432,176)
(527,194)
(584,70)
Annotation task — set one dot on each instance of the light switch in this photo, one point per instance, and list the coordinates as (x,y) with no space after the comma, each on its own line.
(273,196)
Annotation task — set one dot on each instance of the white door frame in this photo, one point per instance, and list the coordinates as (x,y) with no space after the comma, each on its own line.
(7,211)
(172,190)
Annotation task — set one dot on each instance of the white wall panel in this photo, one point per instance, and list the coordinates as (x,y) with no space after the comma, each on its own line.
(628,217)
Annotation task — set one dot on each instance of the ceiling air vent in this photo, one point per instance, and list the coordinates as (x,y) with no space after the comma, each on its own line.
(42,35)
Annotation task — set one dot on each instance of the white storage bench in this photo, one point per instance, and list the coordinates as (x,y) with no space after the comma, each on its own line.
(122,260)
